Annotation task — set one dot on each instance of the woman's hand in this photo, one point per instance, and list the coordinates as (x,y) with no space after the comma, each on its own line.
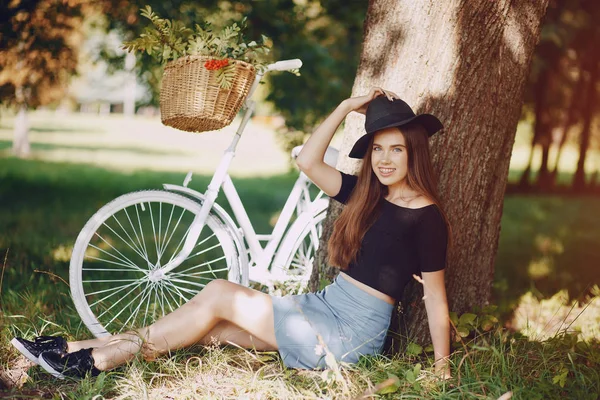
(360,103)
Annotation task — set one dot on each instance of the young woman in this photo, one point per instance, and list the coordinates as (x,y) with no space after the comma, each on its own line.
(392,227)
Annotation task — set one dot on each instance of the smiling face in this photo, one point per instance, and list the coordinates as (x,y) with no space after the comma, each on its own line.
(389,157)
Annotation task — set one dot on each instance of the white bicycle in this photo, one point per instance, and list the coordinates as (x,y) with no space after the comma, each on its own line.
(146,253)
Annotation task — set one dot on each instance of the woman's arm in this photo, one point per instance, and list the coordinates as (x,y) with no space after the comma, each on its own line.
(438,316)
(310,160)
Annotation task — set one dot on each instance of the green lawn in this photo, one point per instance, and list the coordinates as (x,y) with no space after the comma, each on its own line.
(548,254)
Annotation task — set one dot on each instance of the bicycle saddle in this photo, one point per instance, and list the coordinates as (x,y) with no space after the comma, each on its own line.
(331,155)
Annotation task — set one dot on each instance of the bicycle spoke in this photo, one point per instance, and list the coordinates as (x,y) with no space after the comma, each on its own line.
(204,251)
(170,293)
(178,290)
(125,263)
(135,249)
(189,283)
(123,309)
(181,276)
(159,245)
(116,263)
(183,237)
(173,232)
(108,269)
(152,289)
(156,239)
(162,300)
(162,249)
(109,290)
(110,280)
(110,295)
(203,264)
(117,302)
(141,228)
(147,292)
(136,233)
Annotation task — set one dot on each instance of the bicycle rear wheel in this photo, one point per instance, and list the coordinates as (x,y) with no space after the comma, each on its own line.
(299,264)
(115,271)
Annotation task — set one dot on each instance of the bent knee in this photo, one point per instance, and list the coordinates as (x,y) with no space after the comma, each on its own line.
(214,292)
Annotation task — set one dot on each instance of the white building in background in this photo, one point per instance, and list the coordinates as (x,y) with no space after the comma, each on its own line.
(96,90)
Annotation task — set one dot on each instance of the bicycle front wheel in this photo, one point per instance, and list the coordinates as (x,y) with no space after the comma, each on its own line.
(115,271)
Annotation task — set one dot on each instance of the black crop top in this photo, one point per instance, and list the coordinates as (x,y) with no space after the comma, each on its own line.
(402,241)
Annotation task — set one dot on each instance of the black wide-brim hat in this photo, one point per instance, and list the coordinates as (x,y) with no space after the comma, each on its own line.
(383,113)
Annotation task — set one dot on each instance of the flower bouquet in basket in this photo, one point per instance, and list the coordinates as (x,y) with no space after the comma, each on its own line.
(207,75)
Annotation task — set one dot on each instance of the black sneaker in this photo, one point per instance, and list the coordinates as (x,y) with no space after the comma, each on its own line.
(41,344)
(74,365)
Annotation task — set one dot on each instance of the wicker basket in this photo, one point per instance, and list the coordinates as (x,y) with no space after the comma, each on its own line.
(191,99)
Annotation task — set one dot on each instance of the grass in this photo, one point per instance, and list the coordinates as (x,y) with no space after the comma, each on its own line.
(545,273)
(46,204)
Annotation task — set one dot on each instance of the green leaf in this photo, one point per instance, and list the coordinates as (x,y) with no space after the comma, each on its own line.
(486,324)
(392,387)
(561,378)
(467,319)
(454,318)
(462,330)
(417,369)
(414,349)
(410,376)
(489,308)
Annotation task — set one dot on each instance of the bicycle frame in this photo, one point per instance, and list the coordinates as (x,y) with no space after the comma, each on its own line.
(299,200)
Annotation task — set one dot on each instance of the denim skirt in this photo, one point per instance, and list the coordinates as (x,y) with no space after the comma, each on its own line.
(341,319)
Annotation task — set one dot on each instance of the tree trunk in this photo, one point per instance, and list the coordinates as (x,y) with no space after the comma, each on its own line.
(541,89)
(569,122)
(21,147)
(466,62)
(588,115)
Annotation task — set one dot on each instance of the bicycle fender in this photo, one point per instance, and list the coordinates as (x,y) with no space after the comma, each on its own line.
(298,227)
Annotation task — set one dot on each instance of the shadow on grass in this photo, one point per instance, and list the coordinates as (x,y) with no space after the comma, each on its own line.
(57,129)
(547,243)
(6,145)
(45,205)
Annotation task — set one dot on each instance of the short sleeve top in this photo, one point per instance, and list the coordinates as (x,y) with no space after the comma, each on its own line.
(402,241)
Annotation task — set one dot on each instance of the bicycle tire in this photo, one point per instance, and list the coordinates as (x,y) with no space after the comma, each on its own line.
(300,262)
(96,253)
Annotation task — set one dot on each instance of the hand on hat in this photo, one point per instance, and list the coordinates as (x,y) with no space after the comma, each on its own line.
(360,103)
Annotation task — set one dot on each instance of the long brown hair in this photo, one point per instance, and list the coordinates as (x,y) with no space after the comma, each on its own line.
(361,209)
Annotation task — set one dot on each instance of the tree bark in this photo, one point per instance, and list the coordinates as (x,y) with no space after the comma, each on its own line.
(467,63)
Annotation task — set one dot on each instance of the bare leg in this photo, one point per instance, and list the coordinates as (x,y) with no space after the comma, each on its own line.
(86,344)
(249,312)
(227,333)
(224,332)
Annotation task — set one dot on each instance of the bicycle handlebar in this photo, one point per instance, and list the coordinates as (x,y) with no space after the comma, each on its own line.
(285,65)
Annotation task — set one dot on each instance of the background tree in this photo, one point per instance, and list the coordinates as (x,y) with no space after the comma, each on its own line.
(437,57)
(39,42)
(556,94)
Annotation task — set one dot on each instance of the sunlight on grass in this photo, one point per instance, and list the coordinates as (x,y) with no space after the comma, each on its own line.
(131,144)
(62,253)
(542,319)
